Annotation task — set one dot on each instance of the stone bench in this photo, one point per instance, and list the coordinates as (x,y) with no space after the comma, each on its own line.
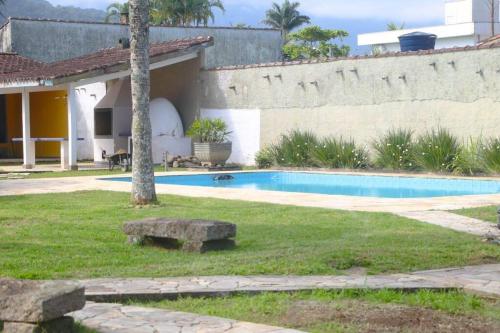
(195,235)
(39,306)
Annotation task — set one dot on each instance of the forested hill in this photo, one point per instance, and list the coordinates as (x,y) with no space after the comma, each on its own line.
(44,9)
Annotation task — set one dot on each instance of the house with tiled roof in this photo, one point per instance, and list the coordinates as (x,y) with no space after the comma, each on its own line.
(466,23)
(63,82)
(64,108)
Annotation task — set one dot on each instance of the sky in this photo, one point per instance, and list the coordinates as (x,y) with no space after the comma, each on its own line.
(355,16)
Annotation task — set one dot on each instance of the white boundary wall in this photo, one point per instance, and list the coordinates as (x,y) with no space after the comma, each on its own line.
(245,127)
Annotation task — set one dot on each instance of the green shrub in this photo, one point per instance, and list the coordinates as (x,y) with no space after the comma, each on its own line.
(265,158)
(208,130)
(436,150)
(468,161)
(295,149)
(339,153)
(395,150)
(490,155)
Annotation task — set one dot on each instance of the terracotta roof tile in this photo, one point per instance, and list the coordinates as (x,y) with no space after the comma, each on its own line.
(12,63)
(492,41)
(103,61)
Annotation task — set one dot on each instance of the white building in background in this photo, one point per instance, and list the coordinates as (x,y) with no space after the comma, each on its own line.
(467,22)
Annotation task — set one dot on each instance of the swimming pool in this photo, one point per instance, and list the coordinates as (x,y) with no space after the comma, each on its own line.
(338,184)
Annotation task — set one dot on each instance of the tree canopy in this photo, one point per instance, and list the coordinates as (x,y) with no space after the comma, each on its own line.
(184,12)
(315,42)
(285,17)
(115,9)
(392,26)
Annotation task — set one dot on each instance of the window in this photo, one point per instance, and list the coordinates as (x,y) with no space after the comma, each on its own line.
(3,120)
(103,122)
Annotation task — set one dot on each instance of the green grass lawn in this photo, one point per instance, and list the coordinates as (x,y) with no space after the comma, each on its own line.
(79,235)
(488,213)
(328,311)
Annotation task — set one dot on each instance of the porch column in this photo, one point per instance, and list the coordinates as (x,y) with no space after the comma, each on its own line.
(28,145)
(72,129)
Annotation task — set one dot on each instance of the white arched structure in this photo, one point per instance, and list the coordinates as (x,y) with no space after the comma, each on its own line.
(167,130)
(165,120)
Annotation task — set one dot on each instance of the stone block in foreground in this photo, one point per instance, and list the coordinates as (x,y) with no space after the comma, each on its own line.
(196,235)
(23,301)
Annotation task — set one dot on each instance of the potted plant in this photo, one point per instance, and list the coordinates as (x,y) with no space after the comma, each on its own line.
(210,141)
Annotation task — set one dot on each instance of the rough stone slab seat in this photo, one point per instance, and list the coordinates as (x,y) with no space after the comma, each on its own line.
(38,301)
(196,235)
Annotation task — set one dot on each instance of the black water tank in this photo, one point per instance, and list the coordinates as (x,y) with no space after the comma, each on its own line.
(417,41)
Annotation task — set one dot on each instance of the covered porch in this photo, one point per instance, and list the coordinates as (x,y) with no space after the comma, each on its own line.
(39,104)
(39,124)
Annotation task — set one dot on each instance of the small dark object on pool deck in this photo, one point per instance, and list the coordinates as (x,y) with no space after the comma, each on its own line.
(223,177)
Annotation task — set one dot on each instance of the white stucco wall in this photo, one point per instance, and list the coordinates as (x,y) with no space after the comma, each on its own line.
(87,97)
(362,98)
(245,127)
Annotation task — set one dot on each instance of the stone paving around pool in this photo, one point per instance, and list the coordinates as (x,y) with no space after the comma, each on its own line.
(455,222)
(484,279)
(371,204)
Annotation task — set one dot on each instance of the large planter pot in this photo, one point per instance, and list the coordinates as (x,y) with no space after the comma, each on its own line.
(212,153)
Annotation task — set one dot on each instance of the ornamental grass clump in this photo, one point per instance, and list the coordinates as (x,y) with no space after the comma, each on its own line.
(437,150)
(295,149)
(469,161)
(490,155)
(339,154)
(265,158)
(395,150)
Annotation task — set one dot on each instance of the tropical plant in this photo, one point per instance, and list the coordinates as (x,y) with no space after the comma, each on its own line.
(436,150)
(115,10)
(295,149)
(265,158)
(339,153)
(395,150)
(143,182)
(184,12)
(285,17)
(391,26)
(208,130)
(490,155)
(469,161)
(315,42)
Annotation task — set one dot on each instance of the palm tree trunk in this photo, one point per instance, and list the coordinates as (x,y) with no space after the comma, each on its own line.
(143,187)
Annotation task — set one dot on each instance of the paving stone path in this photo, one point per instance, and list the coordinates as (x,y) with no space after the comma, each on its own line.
(116,318)
(483,279)
(455,222)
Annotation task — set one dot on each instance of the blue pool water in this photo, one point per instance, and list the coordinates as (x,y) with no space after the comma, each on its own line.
(336,184)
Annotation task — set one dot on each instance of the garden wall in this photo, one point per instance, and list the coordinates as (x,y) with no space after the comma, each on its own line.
(364,97)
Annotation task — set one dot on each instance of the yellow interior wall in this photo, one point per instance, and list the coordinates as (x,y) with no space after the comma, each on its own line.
(49,119)
(14,124)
